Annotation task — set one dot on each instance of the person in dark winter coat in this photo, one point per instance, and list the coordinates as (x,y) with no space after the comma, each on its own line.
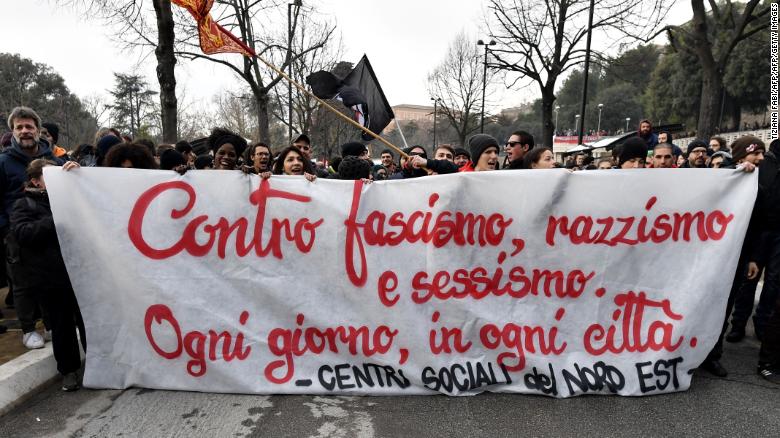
(748,152)
(697,155)
(37,266)
(26,145)
(768,255)
(646,133)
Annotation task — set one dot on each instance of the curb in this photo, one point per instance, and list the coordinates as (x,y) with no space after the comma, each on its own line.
(25,375)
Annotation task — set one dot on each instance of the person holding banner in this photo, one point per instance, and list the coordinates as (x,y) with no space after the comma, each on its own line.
(26,145)
(418,164)
(441,164)
(291,161)
(748,152)
(260,157)
(227,147)
(767,255)
(37,266)
(539,158)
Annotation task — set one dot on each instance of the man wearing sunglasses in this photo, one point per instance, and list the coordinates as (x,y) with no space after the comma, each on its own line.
(519,143)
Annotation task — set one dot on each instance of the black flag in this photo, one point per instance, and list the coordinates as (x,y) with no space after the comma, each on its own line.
(360,92)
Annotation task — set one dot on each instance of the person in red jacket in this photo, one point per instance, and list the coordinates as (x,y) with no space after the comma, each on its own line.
(484,154)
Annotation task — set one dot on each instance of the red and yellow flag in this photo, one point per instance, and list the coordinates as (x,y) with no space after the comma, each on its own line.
(213,37)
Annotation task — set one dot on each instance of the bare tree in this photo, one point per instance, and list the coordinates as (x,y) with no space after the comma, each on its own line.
(196,119)
(246,19)
(233,111)
(541,39)
(140,28)
(734,23)
(95,105)
(304,105)
(458,81)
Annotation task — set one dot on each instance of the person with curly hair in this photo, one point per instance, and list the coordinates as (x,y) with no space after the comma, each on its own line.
(227,146)
(130,155)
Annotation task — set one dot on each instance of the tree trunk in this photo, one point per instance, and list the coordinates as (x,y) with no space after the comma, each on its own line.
(734,108)
(462,130)
(166,63)
(261,103)
(709,111)
(548,100)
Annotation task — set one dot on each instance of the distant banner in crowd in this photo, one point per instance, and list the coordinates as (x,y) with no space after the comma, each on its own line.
(573,139)
(541,282)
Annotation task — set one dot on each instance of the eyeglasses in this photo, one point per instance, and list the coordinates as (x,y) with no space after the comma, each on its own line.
(512,144)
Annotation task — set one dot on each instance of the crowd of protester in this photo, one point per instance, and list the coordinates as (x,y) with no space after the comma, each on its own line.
(38,281)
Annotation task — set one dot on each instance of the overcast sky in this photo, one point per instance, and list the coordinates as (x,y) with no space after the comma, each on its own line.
(404,39)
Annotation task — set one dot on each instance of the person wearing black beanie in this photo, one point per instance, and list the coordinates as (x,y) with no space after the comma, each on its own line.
(51,133)
(697,155)
(52,130)
(633,154)
(354,149)
(484,154)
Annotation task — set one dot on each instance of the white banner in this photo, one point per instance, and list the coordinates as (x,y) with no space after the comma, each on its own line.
(544,282)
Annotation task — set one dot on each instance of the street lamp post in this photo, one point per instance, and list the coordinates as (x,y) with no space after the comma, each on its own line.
(484,82)
(598,129)
(557,108)
(435,103)
(586,70)
(628,119)
(577,123)
(297,4)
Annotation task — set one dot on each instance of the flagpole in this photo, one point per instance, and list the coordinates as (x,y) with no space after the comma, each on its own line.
(307,92)
(401,131)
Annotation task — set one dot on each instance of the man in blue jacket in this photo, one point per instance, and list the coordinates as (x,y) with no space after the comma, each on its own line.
(26,145)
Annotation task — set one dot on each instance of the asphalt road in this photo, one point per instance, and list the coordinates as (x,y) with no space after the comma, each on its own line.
(742,404)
